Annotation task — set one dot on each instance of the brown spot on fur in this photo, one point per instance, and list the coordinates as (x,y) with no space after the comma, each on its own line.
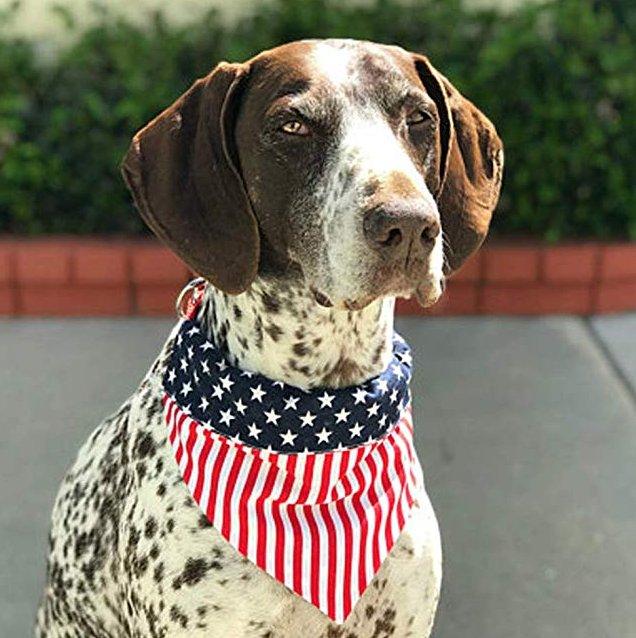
(385,626)
(271,303)
(300,349)
(343,373)
(273,331)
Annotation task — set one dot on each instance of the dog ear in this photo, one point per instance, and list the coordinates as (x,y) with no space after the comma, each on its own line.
(471,166)
(182,171)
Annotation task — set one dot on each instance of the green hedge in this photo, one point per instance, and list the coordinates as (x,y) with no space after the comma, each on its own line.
(557,79)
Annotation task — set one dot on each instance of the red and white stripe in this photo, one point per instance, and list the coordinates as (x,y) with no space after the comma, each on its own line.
(321,523)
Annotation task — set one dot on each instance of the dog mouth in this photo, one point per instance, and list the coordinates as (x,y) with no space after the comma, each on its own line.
(427,293)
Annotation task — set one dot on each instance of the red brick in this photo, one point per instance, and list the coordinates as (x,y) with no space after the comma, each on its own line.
(408,307)
(618,262)
(7,301)
(6,262)
(570,263)
(508,264)
(74,300)
(157,300)
(43,262)
(535,299)
(616,297)
(471,270)
(98,263)
(156,265)
(459,299)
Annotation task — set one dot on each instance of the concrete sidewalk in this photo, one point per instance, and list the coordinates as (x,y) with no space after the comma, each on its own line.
(526,431)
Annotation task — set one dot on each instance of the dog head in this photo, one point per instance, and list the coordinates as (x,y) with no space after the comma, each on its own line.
(354,165)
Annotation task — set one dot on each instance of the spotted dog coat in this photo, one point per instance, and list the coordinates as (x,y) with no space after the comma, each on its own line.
(309,186)
(132,555)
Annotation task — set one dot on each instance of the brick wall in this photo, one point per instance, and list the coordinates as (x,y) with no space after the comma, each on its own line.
(97,277)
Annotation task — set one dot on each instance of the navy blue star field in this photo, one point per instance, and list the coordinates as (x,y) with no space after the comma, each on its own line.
(259,412)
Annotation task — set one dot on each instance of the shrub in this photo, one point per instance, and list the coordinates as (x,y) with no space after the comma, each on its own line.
(557,79)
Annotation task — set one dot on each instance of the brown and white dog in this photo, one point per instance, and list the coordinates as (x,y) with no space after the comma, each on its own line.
(309,186)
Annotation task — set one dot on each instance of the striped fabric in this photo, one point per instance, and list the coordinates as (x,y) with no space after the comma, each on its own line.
(313,487)
(321,523)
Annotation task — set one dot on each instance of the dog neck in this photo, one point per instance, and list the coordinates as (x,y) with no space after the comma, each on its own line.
(278,329)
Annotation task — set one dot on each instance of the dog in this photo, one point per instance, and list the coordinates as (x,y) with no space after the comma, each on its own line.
(308,187)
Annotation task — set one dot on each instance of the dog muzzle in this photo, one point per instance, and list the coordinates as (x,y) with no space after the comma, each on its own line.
(314,487)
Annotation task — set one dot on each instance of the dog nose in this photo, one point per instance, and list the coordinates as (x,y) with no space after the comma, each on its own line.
(404,225)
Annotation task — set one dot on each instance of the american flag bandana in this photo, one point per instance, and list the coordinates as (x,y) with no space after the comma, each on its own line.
(314,487)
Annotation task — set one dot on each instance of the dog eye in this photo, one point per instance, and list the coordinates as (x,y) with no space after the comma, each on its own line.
(295,127)
(417,117)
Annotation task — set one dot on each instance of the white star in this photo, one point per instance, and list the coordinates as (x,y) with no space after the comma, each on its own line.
(288,438)
(272,417)
(193,331)
(394,395)
(226,417)
(258,393)
(240,406)
(397,371)
(186,388)
(205,366)
(172,375)
(221,365)
(206,346)
(247,374)
(373,410)
(204,404)
(308,419)
(186,409)
(190,352)
(236,438)
(280,384)
(382,420)
(342,416)
(290,403)
(356,430)
(184,364)
(195,376)
(325,400)
(382,385)
(179,339)
(226,382)
(359,395)
(217,392)
(323,436)
(254,431)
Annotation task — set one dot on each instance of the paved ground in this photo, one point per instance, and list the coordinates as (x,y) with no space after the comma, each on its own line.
(526,429)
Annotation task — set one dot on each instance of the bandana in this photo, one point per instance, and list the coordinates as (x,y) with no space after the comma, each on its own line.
(314,487)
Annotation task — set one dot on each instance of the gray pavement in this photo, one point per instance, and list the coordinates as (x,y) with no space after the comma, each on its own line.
(526,431)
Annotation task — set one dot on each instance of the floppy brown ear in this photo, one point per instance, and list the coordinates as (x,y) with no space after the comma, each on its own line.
(181,171)
(471,166)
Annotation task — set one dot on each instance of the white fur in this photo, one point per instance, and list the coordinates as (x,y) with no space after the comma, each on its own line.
(333,63)
(371,149)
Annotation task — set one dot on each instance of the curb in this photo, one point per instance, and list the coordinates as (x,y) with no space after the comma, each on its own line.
(113,277)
